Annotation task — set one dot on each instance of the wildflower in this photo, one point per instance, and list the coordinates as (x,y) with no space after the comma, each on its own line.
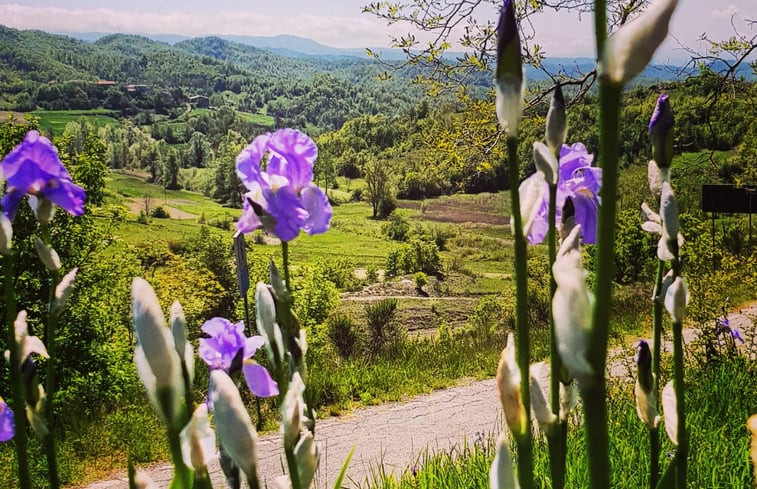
(233,425)
(508,79)
(645,389)
(571,307)
(724,326)
(660,132)
(198,439)
(33,167)
(227,345)
(578,202)
(627,52)
(6,422)
(282,198)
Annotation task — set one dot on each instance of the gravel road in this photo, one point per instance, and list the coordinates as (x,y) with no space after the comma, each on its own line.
(393,435)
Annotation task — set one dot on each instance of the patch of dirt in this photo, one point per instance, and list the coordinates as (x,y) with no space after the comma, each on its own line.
(137,204)
(15,117)
(455,212)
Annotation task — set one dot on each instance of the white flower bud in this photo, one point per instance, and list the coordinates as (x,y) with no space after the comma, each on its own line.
(6,234)
(233,425)
(179,332)
(64,289)
(568,399)
(571,307)
(306,454)
(501,474)
(508,386)
(198,440)
(509,102)
(628,51)
(654,178)
(47,255)
(539,394)
(293,410)
(557,123)
(677,298)
(546,162)
(43,209)
(669,409)
(26,343)
(531,191)
(143,481)
(265,312)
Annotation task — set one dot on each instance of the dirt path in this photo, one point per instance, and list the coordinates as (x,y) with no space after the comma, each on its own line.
(393,435)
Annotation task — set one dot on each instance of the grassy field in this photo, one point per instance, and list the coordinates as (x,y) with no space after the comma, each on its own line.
(56,120)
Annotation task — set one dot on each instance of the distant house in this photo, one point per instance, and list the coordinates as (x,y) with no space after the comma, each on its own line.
(200,101)
(105,83)
(138,88)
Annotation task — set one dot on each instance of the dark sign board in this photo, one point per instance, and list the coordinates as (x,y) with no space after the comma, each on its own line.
(729,199)
(240,257)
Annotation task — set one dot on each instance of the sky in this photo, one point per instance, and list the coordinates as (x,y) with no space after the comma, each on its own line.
(341,23)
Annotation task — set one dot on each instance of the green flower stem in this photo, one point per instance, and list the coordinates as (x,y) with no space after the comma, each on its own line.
(182,478)
(51,345)
(554,438)
(654,433)
(523,440)
(678,383)
(285,263)
(17,384)
(594,389)
(294,473)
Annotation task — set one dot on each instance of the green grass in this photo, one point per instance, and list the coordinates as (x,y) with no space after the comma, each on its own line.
(259,119)
(719,398)
(57,119)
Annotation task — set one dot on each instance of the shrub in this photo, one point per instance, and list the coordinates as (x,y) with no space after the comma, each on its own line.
(142,218)
(492,314)
(159,213)
(382,328)
(344,334)
(357,195)
(420,280)
(397,228)
(415,256)
(315,295)
(386,206)
(371,274)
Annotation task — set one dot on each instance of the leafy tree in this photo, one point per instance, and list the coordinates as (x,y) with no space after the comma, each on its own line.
(377,183)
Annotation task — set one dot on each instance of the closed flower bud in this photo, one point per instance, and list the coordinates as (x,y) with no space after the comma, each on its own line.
(26,343)
(629,50)
(655,177)
(508,386)
(198,440)
(179,332)
(571,307)
(47,255)
(645,389)
(557,123)
(508,79)
(677,298)
(143,481)
(539,393)
(667,248)
(6,234)
(501,474)
(306,454)
(43,209)
(293,410)
(546,162)
(661,132)
(652,221)
(669,409)
(531,191)
(63,290)
(265,312)
(233,425)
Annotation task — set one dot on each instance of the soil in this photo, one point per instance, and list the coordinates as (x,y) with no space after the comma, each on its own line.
(391,438)
(137,204)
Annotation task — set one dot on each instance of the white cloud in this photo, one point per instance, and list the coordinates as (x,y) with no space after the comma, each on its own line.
(726,12)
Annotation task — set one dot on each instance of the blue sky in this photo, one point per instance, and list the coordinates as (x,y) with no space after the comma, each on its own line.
(338,23)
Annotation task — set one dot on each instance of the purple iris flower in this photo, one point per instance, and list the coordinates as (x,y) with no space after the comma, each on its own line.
(578,182)
(33,167)
(6,422)
(282,197)
(222,347)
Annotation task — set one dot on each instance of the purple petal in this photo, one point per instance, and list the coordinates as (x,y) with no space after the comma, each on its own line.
(319,210)
(248,160)
(252,344)
(6,422)
(586,208)
(215,326)
(285,207)
(259,380)
(573,157)
(68,196)
(737,335)
(297,156)
(10,202)
(249,221)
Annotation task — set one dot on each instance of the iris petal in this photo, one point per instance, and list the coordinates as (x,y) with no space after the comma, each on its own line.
(259,380)
(319,210)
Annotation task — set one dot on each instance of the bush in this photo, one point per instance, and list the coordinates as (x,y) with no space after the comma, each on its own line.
(420,280)
(159,213)
(371,274)
(344,334)
(382,328)
(386,206)
(142,218)
(397,228)
(357,195)
(492,314)
(415,256)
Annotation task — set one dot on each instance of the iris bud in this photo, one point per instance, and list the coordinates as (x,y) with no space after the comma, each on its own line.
(508,79)
(557,123)
(660,132)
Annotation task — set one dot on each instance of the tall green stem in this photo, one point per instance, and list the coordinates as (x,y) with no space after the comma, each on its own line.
(678,383)
(285,263)
(554,437)
(523,440)
(17,384)
(594,389)
(654,433)
(51,344)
